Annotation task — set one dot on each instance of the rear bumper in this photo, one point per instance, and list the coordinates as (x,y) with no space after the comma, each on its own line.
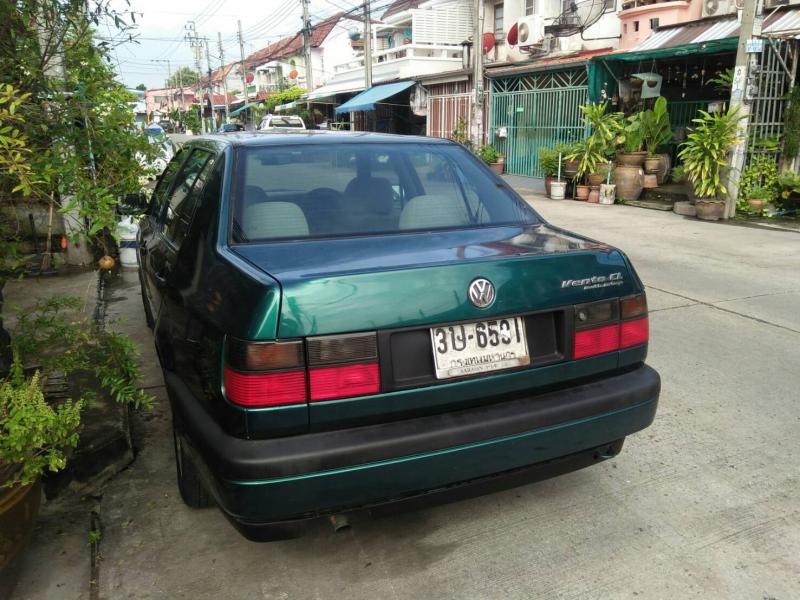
(259,482)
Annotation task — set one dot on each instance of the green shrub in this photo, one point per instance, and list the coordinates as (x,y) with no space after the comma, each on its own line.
(488,154)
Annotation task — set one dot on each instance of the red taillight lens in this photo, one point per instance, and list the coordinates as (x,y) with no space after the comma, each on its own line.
(265,389)
(328,383)
(633,333)
(596,341)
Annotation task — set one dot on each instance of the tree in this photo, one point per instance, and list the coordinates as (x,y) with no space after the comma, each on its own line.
(141,87)
(183,76)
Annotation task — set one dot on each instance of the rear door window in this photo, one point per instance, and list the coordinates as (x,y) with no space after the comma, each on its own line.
(347,189)
(183,197)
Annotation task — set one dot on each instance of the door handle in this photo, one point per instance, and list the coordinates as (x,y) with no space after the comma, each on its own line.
(161,276)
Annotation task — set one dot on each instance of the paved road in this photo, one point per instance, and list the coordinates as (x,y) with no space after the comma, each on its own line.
(704,504)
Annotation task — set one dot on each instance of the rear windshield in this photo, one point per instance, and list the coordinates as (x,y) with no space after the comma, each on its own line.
(285,122)
(313,191)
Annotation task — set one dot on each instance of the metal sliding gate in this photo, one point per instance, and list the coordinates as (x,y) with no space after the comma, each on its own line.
(774,80)
(447,112)
(534,111)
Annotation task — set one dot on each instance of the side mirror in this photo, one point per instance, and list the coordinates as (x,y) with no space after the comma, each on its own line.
(133,204)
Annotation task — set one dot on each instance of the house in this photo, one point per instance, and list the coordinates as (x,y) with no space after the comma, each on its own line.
(161,101)
(282,65)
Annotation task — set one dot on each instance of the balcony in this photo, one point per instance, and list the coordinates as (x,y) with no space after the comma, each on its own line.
(401,62)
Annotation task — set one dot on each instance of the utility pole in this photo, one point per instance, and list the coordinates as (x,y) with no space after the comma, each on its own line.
(170,103)
(210,85)
(224,79)
(367,47)
(241,64)
(751,23)
(180,85)
(307,48)
(477,75)
(197,45)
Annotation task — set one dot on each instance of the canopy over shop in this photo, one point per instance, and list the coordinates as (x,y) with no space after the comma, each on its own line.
(387,108)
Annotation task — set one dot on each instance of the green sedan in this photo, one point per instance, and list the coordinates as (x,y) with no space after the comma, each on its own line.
(364,322)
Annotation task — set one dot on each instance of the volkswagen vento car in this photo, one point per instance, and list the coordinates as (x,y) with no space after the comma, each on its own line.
(361,322)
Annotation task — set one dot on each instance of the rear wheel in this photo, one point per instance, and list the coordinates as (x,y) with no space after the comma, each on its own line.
(193,491)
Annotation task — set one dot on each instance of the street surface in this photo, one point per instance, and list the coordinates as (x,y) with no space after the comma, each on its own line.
(703,504)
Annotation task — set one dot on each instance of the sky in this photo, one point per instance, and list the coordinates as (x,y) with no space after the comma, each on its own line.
(160,31)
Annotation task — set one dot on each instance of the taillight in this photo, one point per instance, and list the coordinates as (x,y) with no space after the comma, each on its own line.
(343,366)
(264,374)
(610,325)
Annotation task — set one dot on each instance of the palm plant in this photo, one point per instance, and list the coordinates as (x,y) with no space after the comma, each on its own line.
(705,151)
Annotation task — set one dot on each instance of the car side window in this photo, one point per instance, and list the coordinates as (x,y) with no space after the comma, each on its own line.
(165,182)
(183,198)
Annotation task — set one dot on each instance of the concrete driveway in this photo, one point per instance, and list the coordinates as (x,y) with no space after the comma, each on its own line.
(703,504)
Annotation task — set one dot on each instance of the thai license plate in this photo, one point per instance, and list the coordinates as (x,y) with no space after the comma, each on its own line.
(471,348)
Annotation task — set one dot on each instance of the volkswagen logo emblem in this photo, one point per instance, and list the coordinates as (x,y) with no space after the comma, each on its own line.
(481,292)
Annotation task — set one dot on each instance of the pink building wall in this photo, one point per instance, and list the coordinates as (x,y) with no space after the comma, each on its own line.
(635,22)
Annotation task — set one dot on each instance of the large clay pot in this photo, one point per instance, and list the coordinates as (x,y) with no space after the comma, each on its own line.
(631,159)
(709,209)
(757,204)
(666,166)
(581,192)
(595,179)
(652,164)
(570,168)
(497,167)
(629,182)
(594,194)
(19,507)
(650,180)
(548,180)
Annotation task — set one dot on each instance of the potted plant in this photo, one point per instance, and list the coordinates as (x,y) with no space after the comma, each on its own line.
(656,131)
(490,156)
(631,143)
(758,197)
(587,154)
(704,155)
(548,163)
(788,184)
(34,437)
(605,129)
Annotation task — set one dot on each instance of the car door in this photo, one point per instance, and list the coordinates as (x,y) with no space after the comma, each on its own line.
(177,218)
(162,246)
(150,227)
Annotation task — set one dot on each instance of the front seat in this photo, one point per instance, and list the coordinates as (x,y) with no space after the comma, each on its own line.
(370,200)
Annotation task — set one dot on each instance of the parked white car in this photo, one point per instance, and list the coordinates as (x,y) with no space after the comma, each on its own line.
(273,122)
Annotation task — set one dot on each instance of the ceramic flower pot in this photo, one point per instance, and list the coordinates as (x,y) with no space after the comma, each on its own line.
(608,193)
(757,204)
(19,507)
(595,179)
(581,192)
(629,182)
(557,190)
(497,167)
(709,209)
(570,168)
(631,159)
(548,180)
(652,164)
(594,194)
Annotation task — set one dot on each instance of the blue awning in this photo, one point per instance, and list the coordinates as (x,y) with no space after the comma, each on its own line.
(367,99)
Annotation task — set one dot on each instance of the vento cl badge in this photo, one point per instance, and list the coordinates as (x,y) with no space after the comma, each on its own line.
(481,292)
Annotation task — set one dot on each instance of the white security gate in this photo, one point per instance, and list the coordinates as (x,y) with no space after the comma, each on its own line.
(448,112)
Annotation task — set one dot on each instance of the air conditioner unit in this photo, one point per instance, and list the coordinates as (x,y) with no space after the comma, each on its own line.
(768,4)
(530,30)
(716,8)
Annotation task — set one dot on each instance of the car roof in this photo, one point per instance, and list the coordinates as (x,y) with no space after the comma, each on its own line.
(311,136)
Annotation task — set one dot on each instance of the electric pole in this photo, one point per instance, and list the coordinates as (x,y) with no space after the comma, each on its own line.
(241,64)
(170,103)
(477,76)
(197,46)
(180,85)
(210,85)
(224,79)
(307,48)
(751,26)
(367,47)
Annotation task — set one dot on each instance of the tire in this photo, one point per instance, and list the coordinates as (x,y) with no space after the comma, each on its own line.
(193,492)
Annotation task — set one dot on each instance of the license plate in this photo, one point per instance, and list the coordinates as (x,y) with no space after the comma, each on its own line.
(471,348)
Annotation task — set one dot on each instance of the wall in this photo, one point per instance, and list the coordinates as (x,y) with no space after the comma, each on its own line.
(667,13)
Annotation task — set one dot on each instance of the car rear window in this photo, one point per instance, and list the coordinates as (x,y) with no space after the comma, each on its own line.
(348,189)
(285,122)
